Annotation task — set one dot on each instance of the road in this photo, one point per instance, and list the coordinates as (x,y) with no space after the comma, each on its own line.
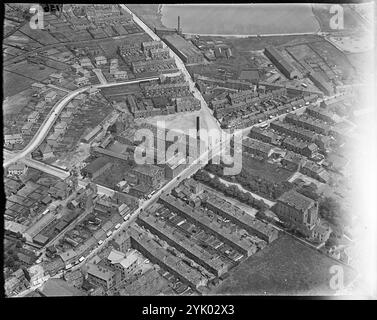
(100,76)
(53,116)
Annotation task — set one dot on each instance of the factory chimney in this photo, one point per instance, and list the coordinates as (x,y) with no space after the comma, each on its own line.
(179,24)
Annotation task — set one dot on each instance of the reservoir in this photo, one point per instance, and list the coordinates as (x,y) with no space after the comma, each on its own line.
(241,19)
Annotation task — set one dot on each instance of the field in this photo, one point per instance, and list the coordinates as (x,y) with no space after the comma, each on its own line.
(112,176)
(284,267)
(40,36)
(264,169)
(31,70)
(14,104)
(14,84)
(19,39)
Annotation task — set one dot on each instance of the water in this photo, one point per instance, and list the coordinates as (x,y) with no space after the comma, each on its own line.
(244,19)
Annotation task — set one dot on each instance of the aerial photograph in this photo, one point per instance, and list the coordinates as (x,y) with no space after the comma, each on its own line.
(188,150)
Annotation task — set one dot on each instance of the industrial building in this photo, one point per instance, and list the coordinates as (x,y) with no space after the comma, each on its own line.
(184,49)
(321,83)
(96,167)
(297,211)
(281,63)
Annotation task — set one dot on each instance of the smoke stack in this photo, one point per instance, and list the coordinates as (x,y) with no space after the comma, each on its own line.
(179,24)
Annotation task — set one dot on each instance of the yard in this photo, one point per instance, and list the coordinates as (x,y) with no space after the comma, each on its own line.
(264,169)
(284,267)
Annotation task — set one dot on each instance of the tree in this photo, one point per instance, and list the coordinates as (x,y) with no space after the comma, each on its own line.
(332,241)
(329,209)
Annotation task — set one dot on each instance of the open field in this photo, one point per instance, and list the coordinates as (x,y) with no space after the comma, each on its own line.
(14,84)
(284,267)
(38,35)
(264,169)
(14,104)
(31,70)
(19,39)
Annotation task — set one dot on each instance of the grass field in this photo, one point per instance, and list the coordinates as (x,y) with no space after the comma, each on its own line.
(284,267)
(14,104)
(38,35)
(264,169)
(14,84)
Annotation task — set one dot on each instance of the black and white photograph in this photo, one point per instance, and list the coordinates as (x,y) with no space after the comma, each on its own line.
(185,150)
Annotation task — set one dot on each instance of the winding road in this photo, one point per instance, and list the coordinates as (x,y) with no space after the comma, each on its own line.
(11,157)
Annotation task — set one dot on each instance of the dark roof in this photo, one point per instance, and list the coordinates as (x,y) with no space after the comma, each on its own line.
(96,165)
(296,200)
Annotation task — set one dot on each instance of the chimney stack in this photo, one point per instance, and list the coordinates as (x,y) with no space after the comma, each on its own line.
(179,24)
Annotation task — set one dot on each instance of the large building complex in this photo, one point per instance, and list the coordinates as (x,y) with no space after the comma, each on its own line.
(281,63)
(184,49)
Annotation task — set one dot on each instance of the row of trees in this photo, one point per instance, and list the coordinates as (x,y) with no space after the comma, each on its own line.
(231,191)
(330,210)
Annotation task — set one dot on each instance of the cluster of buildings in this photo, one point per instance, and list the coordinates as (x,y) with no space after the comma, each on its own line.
(247,107)
(284,66)
(28,124)
(148,57)
(89,22)
(303,150)
(167,96)
(197,244)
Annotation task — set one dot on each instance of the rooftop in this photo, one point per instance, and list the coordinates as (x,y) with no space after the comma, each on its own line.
(100,272)
(296,200)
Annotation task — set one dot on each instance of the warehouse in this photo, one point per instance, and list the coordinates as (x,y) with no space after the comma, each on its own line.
(184,49)
(281,63)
